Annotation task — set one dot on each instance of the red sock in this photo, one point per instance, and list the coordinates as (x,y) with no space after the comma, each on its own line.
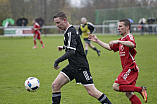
(41,42)
(129,88)
(34,42)
(135,100)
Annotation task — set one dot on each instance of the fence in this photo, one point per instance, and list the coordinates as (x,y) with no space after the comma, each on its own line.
(100,29)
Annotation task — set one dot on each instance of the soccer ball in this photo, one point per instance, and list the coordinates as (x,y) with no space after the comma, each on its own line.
(32,84)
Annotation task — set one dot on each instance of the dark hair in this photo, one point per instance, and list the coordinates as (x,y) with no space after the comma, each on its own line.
(61,15)
(126,22)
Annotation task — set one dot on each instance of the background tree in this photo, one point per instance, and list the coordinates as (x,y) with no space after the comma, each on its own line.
(5,10)
(45,9)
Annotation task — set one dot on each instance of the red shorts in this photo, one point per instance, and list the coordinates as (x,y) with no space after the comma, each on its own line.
(127,77)
(37,36)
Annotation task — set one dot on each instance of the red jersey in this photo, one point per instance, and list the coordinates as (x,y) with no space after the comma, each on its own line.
(36,25)
(126,54)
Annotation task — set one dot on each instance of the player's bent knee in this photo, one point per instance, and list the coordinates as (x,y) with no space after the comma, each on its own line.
(55,86)
(129,94)
(90,93)
(116,87)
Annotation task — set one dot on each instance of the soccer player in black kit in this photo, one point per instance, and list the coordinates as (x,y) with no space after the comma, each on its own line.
(78,67)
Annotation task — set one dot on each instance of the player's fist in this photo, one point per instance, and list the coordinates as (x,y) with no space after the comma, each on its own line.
(56,67)
(60,48)
(93,38)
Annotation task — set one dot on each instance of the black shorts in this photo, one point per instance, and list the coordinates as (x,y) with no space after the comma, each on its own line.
(81,75)
(87,41)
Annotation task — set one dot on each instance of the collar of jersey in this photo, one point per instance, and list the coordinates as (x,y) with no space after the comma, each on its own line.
(125,36)
(67,29)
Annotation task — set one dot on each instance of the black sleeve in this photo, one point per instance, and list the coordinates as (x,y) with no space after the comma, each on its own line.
(79,31)
(91,28)
(64,57)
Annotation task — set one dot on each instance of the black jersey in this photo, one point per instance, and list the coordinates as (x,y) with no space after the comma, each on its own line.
(72,41)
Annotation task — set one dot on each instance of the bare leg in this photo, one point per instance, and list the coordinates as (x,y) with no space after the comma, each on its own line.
(86,48)
(91,46)
(56,86)
(91,89)
(59,82)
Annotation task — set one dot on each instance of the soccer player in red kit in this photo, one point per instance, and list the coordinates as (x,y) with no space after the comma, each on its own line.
(37,34)
(126,80)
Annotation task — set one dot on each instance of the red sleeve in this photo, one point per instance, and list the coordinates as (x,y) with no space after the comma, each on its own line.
(131,38)
(36,26)
(39,26)
(115,47)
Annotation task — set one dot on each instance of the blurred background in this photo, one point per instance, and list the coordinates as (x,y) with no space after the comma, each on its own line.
(104,14)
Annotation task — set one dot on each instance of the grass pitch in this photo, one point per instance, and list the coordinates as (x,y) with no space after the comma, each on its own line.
(18,61)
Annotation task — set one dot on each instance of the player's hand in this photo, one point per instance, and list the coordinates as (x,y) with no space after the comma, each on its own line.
(111,43)
(56,67)
(93,38)
(88,33)
(60,48)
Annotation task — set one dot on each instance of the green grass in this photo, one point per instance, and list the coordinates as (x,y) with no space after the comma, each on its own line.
(18,61)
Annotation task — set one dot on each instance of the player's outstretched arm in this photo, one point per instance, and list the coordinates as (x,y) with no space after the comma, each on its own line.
(128,44)
(95,39)
(62,58)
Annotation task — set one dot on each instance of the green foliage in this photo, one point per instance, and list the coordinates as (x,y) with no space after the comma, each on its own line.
(19,61)
(32,9)
(5,10)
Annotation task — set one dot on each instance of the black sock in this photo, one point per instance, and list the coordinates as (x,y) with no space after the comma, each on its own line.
(104,100)
(95,49)
(86,51)
(56,97)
